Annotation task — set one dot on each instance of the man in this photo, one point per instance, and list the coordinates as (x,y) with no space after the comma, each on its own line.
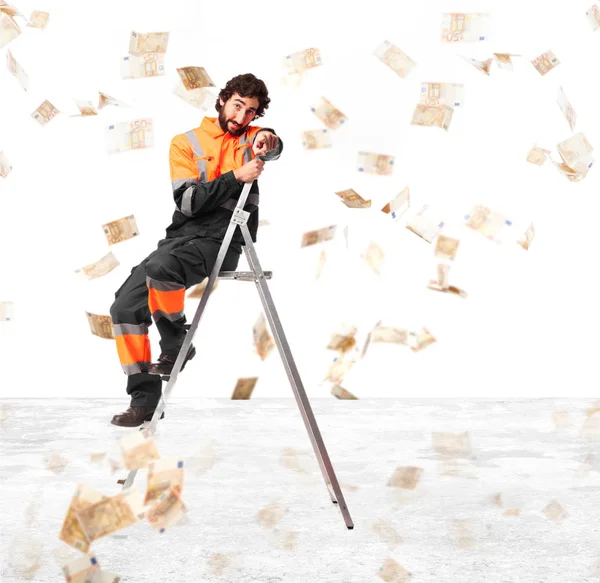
(209,166)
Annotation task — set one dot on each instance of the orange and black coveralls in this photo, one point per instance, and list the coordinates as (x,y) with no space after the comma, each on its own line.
(205,192)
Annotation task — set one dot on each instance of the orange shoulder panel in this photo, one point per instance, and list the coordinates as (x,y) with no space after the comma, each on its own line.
(181,159)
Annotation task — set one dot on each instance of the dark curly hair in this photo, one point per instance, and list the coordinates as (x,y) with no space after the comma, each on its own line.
(246,85)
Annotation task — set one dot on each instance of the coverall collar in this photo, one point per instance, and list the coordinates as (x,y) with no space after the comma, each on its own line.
(212,129)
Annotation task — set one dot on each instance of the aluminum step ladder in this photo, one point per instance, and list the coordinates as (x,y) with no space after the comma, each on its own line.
(240,218)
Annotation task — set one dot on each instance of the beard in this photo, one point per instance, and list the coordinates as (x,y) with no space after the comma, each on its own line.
(224,123)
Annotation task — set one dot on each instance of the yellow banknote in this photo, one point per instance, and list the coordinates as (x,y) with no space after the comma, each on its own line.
(105,100)
(318,236)
(342,394)
(106,516)
(396,59)
(338,369)
(316,139)
(374,257)
(263,341)
(420,340)
(17,70)
(330,115)
(545,62)
(243,388)
(393,572)
(38,19)
(371,163)
(406,477)
(566,108)
(489,223)
(163,474)
(504,61)
(168,509)
(9,29)
(446,247)
(71,531)
(86,108)
(99,268)
(138,450)
(151,42)
(426,224)
(576,153)
(197,291)
(129,135)
(44,113)
(460,27)
(82,569)
(5,165)
(301,61)
(432,115)
(537,155)
(452,444)
(343,339)
(450,94)
(146,65)
(101,326)
(121,230)
(483,66)
(398,205)
(194,78)
(593,16)
(201,99)
(526,239)
(353,200)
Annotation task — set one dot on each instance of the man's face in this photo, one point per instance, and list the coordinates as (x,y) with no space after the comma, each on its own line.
(237,113)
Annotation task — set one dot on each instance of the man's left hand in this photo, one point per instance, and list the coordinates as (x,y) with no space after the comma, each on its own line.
(265,142)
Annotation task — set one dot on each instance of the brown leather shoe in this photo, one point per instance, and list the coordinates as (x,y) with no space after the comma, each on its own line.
(166,362)
(134,416)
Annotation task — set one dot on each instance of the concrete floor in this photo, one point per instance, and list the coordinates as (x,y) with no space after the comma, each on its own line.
(523,505)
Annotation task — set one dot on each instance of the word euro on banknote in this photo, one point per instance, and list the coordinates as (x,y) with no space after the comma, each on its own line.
(316,139)
(398,205)
(145,43)
(45,113)
(450,94)
(146,65)
(371,163)
(352,199)
(121,230)
(432,115)
(99,268)
(593,16)
(5,165)
(129,135)
(460,27)
(545,62)
(17,70)
(426,224)
(396,59)
(243,388)
(330,115)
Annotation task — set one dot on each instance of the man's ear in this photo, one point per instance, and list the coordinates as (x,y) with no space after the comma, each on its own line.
(221,102)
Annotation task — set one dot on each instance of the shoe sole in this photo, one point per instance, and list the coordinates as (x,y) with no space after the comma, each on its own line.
(146,419)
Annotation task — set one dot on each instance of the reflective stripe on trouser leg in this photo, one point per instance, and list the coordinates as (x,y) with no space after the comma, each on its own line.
(165,299)
(133,347)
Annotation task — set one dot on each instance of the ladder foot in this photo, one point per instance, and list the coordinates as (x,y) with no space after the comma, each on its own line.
(334,501)
(350,528)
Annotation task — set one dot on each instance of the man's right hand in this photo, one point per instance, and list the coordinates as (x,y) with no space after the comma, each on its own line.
(249,172)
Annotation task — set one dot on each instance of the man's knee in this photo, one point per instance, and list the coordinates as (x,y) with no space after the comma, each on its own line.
(164,269)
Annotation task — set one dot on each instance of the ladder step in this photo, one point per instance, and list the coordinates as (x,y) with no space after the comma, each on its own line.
(242,275)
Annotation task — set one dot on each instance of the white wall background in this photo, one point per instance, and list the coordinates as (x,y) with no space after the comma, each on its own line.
(530,324)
